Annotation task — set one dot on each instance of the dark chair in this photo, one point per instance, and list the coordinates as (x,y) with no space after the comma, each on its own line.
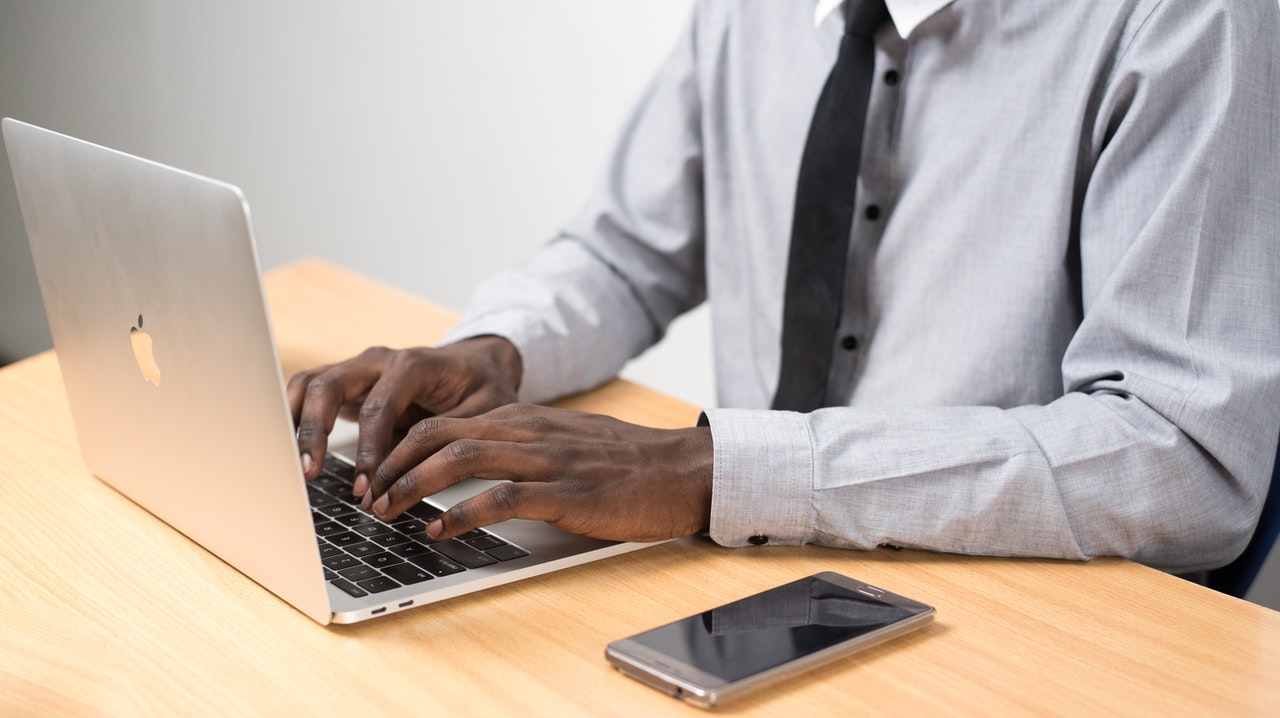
(1236,577)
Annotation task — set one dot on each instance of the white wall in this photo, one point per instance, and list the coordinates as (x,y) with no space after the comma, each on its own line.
(427,144)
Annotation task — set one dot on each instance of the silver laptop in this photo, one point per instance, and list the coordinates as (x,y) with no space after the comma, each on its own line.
(151,284)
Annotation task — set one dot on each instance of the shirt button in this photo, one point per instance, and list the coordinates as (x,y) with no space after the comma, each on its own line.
(850,342)
(758,540)
(873,212)
(891,78)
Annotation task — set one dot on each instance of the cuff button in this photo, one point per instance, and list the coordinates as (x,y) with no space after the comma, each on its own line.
(758,540)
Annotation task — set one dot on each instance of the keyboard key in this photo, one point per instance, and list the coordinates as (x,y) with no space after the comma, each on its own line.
(382,560)
(331,484)
(358,573)
(341,469)
(372,530)
(377,585)
(345,539)
(464,554)
(327,550)
(355,518)
(329,575)
(424,511)
(317,519)
(407,574)
(486,542)
(337,563)
(346,498)
(421,537)
(473,533)
(316,497)
(351,588)
(436,564)
(409,525)
(391,539)
(337,509)
(329,528)
(507,552)
(411,548)
(362,549)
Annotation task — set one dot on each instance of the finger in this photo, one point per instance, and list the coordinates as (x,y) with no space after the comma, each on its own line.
(457,460)
(534,501)
(296,391)
(323,397)
(388,400)
(421,441)
(297,387)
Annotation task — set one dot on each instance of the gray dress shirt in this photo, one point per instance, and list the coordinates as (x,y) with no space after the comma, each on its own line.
(1063,295)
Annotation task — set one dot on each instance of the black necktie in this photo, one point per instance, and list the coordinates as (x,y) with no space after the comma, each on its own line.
(824,214)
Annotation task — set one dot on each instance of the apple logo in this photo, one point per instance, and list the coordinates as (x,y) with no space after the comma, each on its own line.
(143,353)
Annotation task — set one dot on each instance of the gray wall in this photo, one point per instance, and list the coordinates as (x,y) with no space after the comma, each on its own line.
(426,144)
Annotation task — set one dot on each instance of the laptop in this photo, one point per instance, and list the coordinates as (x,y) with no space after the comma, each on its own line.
(151,284)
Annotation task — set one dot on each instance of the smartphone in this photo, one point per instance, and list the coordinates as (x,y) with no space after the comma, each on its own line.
(727,651)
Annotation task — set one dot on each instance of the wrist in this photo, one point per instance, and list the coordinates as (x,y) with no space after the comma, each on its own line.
(698,457)
(503,355)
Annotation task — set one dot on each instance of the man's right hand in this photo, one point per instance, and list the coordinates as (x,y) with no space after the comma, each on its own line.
(388,390)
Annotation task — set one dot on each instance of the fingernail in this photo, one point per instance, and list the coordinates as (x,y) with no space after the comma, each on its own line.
(307,462)
(360,486)
(367,501)
(434,528)
(380,506)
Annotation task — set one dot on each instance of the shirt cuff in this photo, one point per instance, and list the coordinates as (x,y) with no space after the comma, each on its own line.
(762,481)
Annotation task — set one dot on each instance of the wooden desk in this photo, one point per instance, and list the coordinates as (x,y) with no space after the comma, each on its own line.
(105,610)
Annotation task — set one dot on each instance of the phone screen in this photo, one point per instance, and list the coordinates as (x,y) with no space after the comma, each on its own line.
(769,629)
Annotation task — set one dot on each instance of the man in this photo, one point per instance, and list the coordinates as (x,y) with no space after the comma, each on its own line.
(1057,326)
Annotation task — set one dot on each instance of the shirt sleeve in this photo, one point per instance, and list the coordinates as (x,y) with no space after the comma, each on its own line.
(1161,448)
(608,286)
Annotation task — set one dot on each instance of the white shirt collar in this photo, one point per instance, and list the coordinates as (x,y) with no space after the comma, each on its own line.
(907,14)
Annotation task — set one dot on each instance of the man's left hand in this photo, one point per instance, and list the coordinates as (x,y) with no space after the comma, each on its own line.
(585,473)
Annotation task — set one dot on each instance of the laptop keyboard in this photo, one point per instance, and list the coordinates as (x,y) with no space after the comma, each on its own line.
(363,554)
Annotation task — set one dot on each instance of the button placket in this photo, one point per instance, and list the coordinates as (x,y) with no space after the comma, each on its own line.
(851,345)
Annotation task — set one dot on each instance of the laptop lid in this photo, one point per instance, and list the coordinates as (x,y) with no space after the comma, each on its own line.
(151,285)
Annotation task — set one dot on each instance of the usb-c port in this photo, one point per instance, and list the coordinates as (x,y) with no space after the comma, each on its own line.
(376,611)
